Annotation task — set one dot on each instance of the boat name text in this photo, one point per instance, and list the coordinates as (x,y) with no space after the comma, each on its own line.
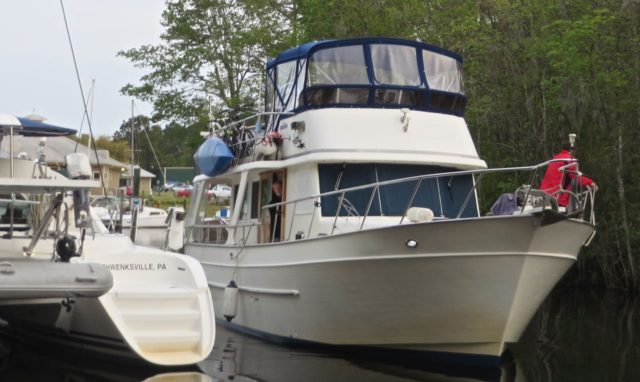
(137,267)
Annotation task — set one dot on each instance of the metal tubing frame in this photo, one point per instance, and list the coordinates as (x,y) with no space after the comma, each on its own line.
(376,188)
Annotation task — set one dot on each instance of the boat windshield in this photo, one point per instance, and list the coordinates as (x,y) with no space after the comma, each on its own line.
(341,65)
(395,65)
(443,72)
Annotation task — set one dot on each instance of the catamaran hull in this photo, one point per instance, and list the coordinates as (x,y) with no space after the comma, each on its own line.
(159,309)
(469,286)
(86,327)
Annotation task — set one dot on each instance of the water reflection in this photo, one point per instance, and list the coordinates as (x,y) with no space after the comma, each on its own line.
(576,336)
(582,335)
(238,357)
(19,362)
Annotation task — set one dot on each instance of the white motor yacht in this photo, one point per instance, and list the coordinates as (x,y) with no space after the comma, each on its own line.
(376,237)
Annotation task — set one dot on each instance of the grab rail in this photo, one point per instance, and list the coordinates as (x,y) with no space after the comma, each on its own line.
(239,136)
(585,199)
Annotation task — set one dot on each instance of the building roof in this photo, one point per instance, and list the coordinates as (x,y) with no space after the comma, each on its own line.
(56,149)
(143,173)
(31,127)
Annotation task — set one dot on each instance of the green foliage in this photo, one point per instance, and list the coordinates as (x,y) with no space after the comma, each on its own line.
(118,150)
(211,48)
(332,19)
(173,145)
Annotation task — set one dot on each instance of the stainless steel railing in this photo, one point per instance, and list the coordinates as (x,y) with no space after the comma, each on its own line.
(584,200)
(239,136)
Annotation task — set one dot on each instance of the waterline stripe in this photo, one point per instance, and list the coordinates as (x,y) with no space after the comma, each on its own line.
(387,257)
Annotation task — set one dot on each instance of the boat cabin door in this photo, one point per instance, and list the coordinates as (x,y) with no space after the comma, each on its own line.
(272,190)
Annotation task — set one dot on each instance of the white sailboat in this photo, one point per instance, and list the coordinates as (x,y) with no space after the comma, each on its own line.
(157,306)
(379,239)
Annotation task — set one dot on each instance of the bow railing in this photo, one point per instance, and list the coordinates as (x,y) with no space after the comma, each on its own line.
(582,203)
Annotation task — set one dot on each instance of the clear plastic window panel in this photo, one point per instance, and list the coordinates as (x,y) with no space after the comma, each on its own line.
(443,72)
(299,83)
(286,85)
(395,65)
(342,65)
(270,90)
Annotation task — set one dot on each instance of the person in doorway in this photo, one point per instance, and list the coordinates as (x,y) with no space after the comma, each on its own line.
(556,180)
(276,211)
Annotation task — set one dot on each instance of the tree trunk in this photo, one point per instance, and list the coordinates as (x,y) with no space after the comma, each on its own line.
(623,208)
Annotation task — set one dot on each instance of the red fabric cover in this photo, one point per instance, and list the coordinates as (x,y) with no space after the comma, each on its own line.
(552,181)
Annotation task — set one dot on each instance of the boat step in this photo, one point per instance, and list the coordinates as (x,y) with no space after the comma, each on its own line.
(163,340)
(162,336)
(174,357)
(156,293)
(185,315)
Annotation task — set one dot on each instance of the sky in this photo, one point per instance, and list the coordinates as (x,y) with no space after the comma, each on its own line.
(36,66)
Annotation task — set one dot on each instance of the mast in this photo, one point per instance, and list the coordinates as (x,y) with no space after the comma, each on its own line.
(132,149)
(92,96)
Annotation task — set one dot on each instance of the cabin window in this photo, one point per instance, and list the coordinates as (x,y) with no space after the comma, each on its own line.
(384,96)
(341,65)
(201,217)
(443,72)
(395,65)
(335,95)
(444,196)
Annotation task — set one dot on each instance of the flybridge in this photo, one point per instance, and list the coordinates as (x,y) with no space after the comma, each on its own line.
(367,72)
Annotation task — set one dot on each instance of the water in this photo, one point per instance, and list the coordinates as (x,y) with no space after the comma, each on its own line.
(582,335)
(578,335)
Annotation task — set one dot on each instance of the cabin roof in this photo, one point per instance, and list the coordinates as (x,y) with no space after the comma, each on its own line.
(306,49)
(32,128)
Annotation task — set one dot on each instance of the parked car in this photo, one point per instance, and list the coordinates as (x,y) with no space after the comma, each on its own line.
(168,186)
(219,191)
(183,192)
(182,189)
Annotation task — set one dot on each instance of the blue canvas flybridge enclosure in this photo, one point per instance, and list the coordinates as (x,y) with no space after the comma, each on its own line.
(366,72)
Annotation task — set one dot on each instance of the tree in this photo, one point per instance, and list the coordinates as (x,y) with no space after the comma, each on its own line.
(172,146)
(210,48)
(118,150)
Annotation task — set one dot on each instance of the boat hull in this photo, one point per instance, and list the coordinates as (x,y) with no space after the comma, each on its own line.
(159,309)
(469,286)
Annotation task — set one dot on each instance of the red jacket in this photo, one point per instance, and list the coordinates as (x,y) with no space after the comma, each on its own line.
(553,179)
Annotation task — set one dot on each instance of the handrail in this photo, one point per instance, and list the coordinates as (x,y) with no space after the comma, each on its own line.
(584,211)
(241,139)
(421,177)
(257,115)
